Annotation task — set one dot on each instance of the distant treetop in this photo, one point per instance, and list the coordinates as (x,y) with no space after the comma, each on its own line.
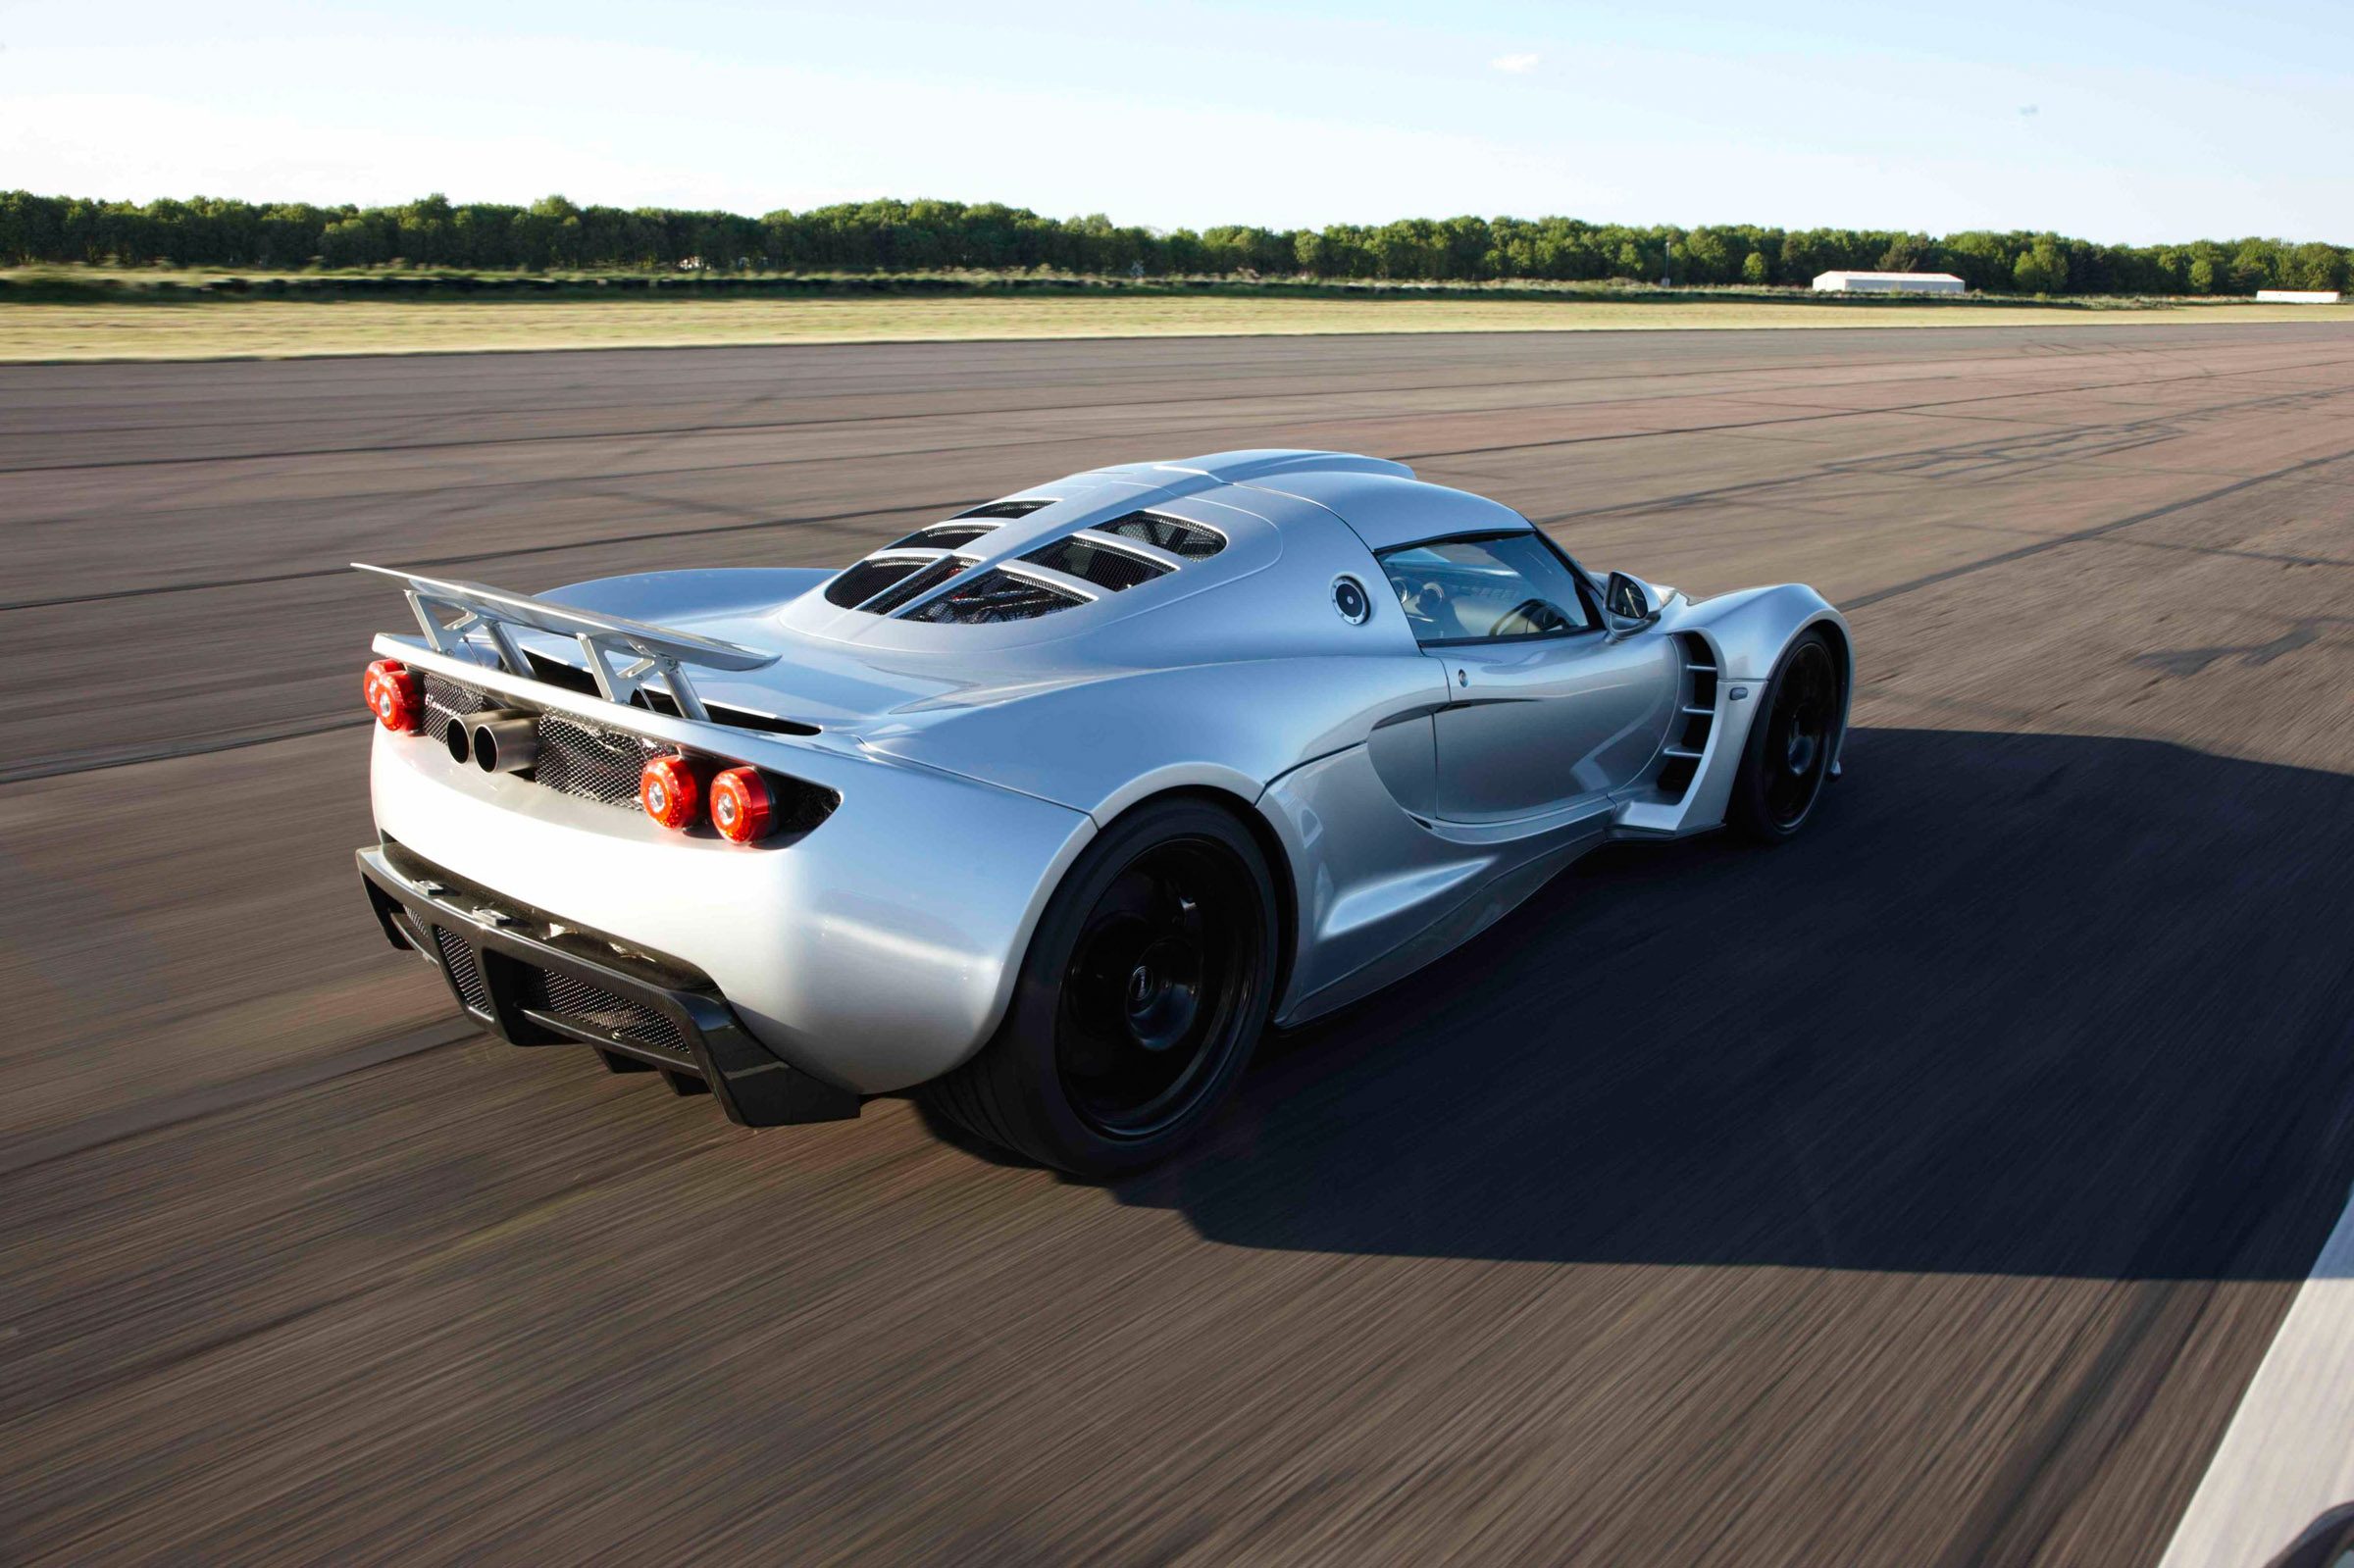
(901,236)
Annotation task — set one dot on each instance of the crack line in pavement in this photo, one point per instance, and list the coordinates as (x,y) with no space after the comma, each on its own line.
(2081,536)
(131,1121)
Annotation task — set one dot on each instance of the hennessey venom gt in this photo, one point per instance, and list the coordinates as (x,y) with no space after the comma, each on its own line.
(1047,809)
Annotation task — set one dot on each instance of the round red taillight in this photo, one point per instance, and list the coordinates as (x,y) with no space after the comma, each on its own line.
(395,694)
(740,804)
(670,791)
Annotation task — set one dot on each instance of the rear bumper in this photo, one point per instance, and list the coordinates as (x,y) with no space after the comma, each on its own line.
(534,979)
(874,951)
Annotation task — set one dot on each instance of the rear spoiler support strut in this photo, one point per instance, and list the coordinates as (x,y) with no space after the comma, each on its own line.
(624,656)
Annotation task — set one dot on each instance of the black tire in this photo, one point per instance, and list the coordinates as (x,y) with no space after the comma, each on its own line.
(1791,743)
(1140,1002)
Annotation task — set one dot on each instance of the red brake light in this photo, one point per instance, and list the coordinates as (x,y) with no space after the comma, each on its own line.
(395,694)
(740,804)
(670,791)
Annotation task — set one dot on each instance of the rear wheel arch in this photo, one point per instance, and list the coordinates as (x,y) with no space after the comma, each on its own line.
(1075,1075)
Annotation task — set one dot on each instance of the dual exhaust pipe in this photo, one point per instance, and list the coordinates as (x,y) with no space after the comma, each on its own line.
(499,739)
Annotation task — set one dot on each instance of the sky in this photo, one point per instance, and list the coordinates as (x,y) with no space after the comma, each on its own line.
(2160,120)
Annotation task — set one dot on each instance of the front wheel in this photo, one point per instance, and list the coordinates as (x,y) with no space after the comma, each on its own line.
(1139,1002)
(1790,744)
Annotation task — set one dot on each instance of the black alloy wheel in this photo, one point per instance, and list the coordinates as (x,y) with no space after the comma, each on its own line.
(1160,969)
(1140,1002)
(1791,743)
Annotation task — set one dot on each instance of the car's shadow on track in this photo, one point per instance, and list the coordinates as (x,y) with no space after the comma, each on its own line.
(2051,1005)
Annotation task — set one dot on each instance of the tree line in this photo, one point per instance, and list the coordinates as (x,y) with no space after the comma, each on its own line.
(914,236)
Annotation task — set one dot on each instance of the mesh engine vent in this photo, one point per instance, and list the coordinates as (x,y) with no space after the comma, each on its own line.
(994,596)
(1113,570)
(580,759)
(1005,509)
(445,699)
(1189,539)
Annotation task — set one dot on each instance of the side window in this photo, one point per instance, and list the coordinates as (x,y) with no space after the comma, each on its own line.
(1477,590)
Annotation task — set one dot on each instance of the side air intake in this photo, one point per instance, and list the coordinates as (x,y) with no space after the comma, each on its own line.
(1695,720)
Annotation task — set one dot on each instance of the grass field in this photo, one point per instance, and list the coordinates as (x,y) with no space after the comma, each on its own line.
(233,328)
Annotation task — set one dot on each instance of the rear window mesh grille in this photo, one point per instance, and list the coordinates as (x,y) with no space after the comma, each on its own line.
(1114,571)
(1189,539)
(867,579)
(1005,509)
(994,596)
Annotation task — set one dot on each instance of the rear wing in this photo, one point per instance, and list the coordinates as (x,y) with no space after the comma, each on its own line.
(624,656)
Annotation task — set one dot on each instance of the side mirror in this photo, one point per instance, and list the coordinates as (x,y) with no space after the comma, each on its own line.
(1626,604)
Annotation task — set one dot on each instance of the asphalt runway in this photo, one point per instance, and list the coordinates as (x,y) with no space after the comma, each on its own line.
(1923,1191)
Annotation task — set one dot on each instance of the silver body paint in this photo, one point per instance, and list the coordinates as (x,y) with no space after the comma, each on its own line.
(1407,796)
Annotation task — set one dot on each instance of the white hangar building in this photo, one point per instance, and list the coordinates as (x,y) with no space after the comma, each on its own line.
(1888,284)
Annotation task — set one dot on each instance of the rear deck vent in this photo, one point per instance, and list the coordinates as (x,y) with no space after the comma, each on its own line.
(1005,509)
(992,598)
(1178,538)
(766,723)
(1114,571)
(556,673)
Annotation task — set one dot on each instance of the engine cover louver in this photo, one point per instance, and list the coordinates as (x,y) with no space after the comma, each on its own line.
(994,597)
(1113,571)
(1005,509)
(941,537)
(916,584)
(863,582)
(1174,534)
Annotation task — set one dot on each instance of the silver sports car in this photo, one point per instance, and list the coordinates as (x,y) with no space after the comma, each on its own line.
(1047,809)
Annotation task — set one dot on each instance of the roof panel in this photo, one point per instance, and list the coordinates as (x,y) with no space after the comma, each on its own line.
(1387,511)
